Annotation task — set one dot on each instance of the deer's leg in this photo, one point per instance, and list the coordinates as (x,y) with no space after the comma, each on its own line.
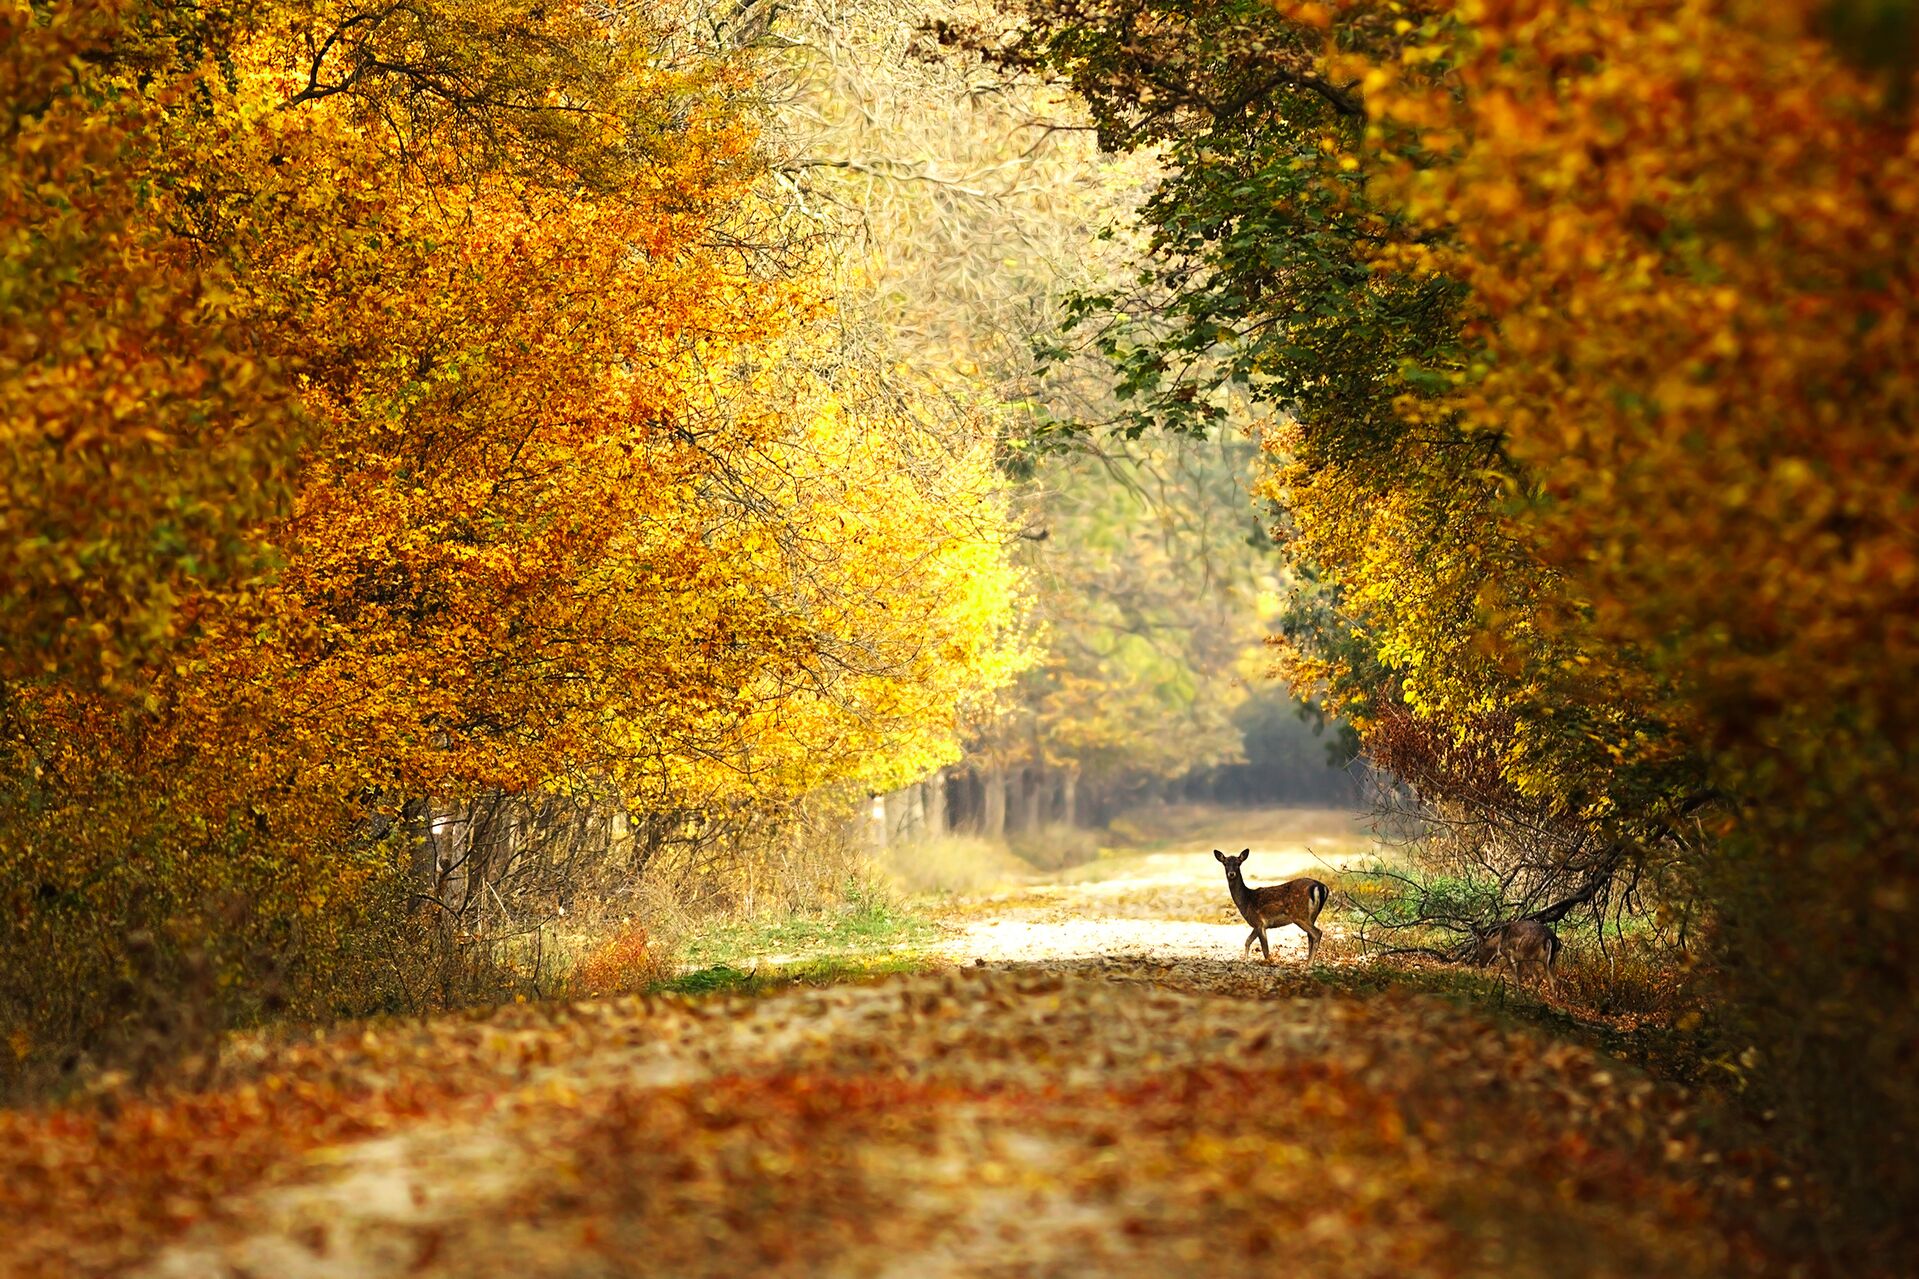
(1264,949)
(1313,936)
(1251,937)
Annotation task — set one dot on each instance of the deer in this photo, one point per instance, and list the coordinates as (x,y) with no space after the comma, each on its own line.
(1297,901)
(1522,944)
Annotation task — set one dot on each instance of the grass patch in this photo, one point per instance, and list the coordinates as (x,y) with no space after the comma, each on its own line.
(1331,832)
(829,970)
(1055,847)
(867,920)
(868,935)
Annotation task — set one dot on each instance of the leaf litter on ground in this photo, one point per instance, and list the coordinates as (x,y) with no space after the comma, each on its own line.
(1115,1116)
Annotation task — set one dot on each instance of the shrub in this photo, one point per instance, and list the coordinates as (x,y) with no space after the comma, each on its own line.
(623,963)
(1628,978)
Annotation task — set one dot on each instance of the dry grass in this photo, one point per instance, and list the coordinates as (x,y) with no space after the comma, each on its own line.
(1362,890)
(1331,832)
(624,963)
(1629,981)
(1056,847)
(958,865)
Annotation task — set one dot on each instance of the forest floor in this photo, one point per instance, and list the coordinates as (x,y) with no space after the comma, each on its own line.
(1087,1078)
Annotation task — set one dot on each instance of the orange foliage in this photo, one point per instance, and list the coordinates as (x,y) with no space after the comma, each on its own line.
(622,964)
(396,406)
(1592,330)
(1688,233)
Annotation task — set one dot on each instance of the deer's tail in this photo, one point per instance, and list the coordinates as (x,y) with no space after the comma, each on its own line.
(1317,896)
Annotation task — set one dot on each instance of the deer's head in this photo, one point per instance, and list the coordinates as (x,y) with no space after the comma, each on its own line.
(1232,864)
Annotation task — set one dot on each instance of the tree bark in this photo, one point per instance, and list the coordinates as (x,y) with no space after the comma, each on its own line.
(1069,798)
(1031,793)
(936,825)
(421,863)
(916,812)
(992,822)
(897,827)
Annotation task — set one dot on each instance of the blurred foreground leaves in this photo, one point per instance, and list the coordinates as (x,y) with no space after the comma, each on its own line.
(1115,1117)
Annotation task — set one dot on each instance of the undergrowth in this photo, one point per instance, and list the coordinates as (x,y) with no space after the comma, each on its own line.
(866,919)
(831,970)
(1667,1033)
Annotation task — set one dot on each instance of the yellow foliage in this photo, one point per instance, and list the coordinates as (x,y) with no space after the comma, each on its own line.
(370,440)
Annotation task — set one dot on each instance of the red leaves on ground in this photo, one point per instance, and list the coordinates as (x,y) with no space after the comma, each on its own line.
(1129,1121)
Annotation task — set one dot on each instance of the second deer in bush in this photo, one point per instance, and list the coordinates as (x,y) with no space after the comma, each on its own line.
(1523,945)
(1297,901)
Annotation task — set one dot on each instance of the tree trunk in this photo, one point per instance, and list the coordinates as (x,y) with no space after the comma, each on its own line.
(1069,798)
(421,863)
(897,827)
(936,805)
(1031,794)
(916,812)
(992,822)
(876,823)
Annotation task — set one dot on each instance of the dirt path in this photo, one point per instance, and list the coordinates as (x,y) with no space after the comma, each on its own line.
(1099,1085)
(367,1207)
(1170,904)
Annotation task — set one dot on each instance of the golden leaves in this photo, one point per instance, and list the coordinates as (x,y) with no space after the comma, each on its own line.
(1675,253)
(1686,233)
(367,438)
(1135,1100)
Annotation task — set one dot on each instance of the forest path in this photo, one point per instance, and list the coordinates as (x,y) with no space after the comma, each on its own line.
(1100,1085)
(1167,901)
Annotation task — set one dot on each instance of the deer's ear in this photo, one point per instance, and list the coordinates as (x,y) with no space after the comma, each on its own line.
(1244,853)
(1219,856)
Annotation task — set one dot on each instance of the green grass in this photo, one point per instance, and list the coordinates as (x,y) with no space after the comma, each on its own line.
(868,935)
(865,921)
(831,970)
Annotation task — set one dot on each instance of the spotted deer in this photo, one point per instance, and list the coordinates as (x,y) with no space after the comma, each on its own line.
(1297,901)
(1522,944)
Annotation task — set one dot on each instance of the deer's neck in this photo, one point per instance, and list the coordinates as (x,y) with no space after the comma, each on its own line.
(1242,895)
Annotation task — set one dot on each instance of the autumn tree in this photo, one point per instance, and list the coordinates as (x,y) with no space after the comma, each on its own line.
(405,405)
(1260,276)
(1585,330)
(1694,290)
(976,201)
